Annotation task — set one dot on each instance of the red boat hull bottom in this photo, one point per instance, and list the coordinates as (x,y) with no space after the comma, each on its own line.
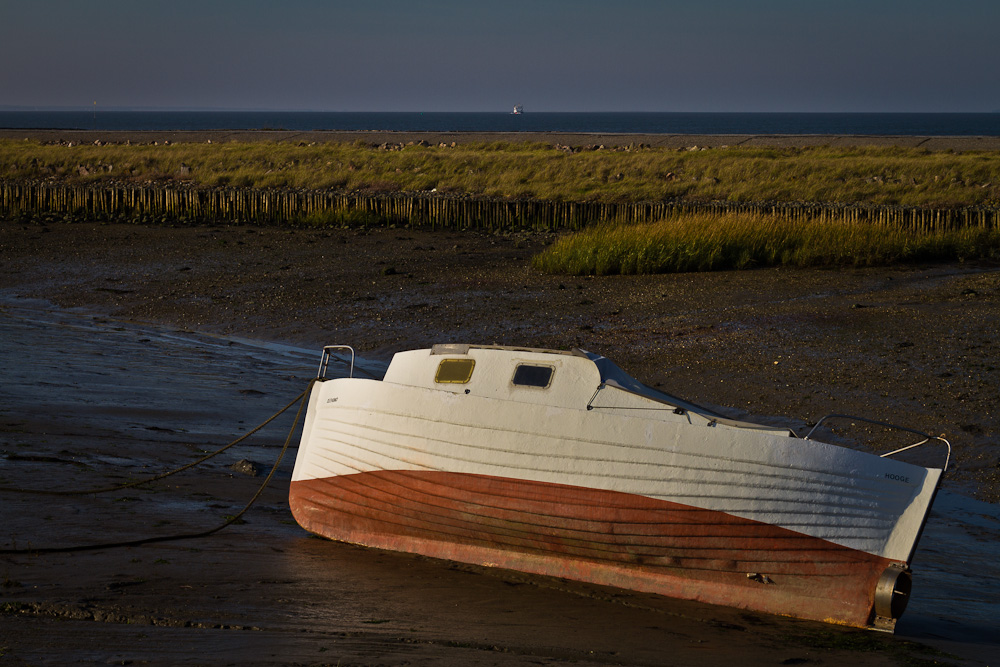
(602,537)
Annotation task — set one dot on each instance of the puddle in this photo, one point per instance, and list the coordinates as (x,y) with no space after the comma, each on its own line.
(956,574)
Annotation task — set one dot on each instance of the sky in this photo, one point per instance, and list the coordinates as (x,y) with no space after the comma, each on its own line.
(480,55)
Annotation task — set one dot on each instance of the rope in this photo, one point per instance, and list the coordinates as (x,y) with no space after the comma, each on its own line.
(304,396)
(162,475)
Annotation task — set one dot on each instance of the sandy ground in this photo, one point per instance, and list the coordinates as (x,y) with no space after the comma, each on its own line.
(911,345)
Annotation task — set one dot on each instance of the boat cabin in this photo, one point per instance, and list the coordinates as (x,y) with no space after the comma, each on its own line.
(567,379)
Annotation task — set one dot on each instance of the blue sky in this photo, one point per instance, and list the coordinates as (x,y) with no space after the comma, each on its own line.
(549,55)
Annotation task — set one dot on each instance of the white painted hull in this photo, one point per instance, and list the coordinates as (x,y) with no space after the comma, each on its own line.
(766,490)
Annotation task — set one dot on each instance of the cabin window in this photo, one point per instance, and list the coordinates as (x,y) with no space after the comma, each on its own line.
(455,371)
(527,375)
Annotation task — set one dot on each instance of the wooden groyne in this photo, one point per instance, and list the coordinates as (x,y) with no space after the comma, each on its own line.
(169,205)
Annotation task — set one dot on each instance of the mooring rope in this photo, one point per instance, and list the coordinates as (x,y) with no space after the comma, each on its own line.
(304,397)
(147,480)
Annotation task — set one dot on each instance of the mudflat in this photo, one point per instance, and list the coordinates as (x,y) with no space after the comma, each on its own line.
(912,345)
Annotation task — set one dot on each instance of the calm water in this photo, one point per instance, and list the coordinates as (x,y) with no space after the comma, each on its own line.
(923,124)
(956,587)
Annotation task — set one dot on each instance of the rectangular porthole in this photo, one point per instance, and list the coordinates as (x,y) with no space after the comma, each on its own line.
(454,371)
(528,375)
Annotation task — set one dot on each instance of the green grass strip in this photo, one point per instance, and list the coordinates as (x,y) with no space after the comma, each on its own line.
(740,241)
(886,176)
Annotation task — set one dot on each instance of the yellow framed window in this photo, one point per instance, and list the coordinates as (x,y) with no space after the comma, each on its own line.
(454,371)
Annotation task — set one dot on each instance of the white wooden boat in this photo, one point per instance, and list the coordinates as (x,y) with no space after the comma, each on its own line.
(561,464)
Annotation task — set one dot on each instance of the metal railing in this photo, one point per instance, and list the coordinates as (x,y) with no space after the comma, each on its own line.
(926,438)
(325,360)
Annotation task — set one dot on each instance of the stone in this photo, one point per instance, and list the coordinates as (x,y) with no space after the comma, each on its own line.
(246,467)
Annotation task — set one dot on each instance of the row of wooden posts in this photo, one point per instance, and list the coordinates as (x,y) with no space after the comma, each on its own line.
(125,203)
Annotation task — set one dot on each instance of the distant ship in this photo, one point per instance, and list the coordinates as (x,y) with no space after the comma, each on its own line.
(518,109)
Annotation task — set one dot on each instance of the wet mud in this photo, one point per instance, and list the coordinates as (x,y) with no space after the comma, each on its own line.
(911,345)
(127,351)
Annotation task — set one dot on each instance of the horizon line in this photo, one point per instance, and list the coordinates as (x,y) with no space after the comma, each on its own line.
(183,109)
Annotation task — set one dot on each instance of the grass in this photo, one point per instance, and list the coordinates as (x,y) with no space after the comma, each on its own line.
(705,242)
(871,175)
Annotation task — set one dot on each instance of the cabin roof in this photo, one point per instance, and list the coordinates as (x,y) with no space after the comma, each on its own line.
(575,378)
(610,373)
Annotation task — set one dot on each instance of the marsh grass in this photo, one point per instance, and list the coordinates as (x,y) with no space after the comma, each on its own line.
(704,242)
(878,176)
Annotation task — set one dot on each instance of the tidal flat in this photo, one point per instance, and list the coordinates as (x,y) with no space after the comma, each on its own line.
(95,401)
(914,344)
(150,345)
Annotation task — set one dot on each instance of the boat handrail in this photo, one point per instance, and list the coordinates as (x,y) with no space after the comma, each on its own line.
(679,407)
(926,438)
(325,360)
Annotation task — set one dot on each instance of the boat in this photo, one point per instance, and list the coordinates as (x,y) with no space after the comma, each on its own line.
(518,109)
(561,464)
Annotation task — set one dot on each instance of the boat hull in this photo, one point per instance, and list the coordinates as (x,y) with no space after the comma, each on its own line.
(598,536)
(589,479)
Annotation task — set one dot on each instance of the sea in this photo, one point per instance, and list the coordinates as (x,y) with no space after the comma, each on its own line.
(898,124)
